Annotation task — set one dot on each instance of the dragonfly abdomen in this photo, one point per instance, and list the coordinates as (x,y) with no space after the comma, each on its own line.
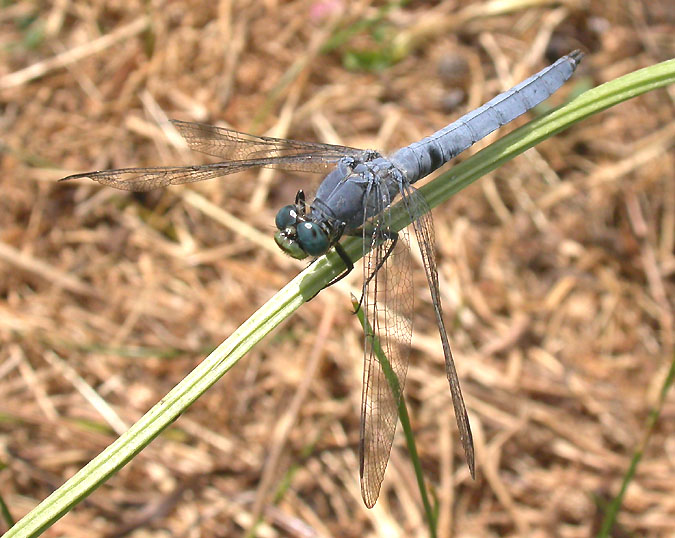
(423,157)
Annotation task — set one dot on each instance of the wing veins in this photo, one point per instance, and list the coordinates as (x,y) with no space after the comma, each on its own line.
(387,303)
(235,145)
(424,231)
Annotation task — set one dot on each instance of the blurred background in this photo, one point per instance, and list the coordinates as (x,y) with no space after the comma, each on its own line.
(556,269)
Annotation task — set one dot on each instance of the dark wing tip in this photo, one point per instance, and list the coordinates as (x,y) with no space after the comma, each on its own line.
(187,126)
(467,445)
(472,466)
(76,176)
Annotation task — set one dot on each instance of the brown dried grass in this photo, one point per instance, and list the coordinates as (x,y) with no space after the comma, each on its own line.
(557,271)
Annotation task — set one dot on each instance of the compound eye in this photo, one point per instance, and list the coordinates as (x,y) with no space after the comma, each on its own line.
(312,238)
(286,217)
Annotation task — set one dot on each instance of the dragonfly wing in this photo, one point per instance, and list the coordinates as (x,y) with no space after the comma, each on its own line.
(388,304)
(145,179)
(283,153)
(424,231)
(241,151)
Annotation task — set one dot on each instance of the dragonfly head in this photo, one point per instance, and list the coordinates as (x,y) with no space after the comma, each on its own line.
(297,236)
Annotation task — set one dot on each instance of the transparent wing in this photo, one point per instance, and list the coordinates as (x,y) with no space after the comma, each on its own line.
(145,179)
(236,146)
(241,151)
(424,231)
(388,304)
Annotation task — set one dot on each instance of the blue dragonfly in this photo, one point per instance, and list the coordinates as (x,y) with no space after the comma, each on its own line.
(355,198)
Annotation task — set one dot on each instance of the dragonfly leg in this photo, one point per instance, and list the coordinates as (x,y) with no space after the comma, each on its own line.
(393,237)
(347,261)
(349,267)
(300,201)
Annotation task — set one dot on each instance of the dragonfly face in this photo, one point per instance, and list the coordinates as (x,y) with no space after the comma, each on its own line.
(297,235)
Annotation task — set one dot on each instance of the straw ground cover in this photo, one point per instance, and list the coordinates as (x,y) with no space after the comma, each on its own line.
(557,270)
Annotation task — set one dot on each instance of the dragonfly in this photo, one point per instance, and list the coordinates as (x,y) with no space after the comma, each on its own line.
(355,199)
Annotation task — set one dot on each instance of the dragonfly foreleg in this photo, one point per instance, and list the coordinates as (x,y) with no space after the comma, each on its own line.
(349,266)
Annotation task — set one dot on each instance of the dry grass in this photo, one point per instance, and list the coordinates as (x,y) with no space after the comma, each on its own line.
(557,270)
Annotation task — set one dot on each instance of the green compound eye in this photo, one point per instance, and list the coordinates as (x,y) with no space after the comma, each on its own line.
(312,238)
(287,216)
